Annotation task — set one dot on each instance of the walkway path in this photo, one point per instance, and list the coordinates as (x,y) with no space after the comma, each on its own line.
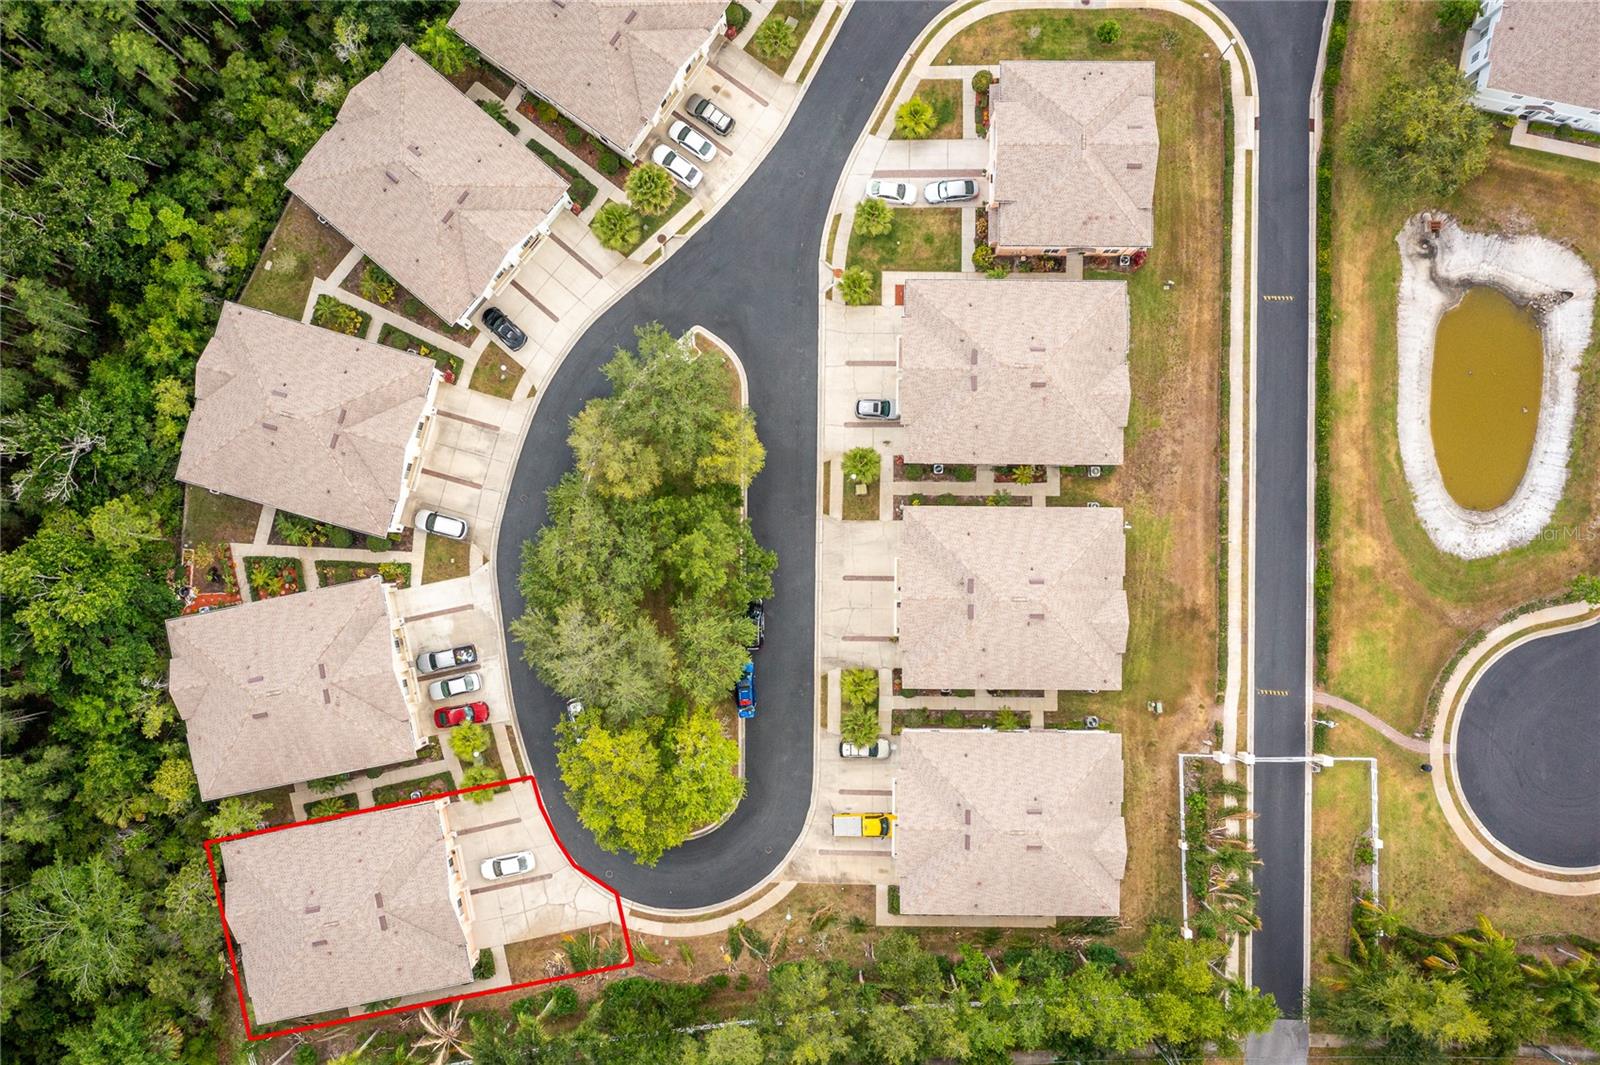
(1373,721)
(1521,138)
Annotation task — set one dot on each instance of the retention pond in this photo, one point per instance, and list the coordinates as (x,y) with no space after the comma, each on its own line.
(1488,364)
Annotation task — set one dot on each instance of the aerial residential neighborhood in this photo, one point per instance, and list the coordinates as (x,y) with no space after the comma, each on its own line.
(832,531)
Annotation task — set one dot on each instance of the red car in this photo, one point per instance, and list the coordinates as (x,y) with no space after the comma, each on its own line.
(451,716)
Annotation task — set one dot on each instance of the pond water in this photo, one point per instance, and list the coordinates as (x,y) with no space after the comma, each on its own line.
(1488,368)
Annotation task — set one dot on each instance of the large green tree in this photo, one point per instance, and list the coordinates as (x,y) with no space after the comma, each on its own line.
(1423,138)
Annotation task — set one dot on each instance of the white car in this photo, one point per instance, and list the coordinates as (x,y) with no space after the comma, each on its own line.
(950,190)
(683,134)
(507,865)
(451,687)
(880,749)
(902,193)
(436,524)
(687,173)
(574,709)
(883,409)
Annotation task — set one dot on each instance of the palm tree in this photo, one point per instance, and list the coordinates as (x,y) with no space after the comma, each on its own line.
(1571,990)
(446,1033)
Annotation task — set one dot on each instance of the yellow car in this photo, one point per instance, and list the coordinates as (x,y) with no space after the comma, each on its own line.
(857,826)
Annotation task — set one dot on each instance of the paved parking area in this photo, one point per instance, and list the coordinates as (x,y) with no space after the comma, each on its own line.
(553,897)
(856,567)
(446,614)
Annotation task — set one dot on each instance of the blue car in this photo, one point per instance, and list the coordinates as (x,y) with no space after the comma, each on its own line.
(744,692)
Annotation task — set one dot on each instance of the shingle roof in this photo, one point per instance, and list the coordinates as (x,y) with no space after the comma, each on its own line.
(1027,370)
(304,419)
(417,176)
(345,912)
(1012,823)
(1012,598)
(1075,149)
(606,63)
(1549,50)
(290,689)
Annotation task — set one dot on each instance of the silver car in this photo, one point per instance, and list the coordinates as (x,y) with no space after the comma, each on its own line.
(878,409)
(451,687)
(719,120)
(902,193)
(950,190)
(687,173)
(685,136)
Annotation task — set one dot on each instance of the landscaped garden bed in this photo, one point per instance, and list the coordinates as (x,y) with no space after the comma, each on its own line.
(293,530)
(209,577)
(331,572)
(491,78)
(434,784)
(923,471)
(579,188)
(579,142)
(270,576)
(1020,474)
(333,804)
(497,373)
(449,364)
(279,803)
(999,498)
(1002,720)
(333,314)
(372,283)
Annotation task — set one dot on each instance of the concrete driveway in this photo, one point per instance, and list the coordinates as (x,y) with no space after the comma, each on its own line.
(756,99)
(553,897)
(445,614)
(856,568)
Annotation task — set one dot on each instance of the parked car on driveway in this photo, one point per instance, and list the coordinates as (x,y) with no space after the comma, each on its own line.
(744,692)
(902,193)
(757,612)
(879,749)
(859,826)
(450,658)
(504,328)
(451,687)
(451,716)
(882,409)
(436,524)
(507,865)
(720,121)
(685,135)
(687,173)
(950,190)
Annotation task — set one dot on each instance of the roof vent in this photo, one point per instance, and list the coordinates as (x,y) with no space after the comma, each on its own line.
(313,908)
(342,412)
(972,585)
(559,3)
(966,842)
(322,671)
(319,943)
(973,356)
(280,393)
(1034,847)
(1035,810)
(447,216)
(269,427)
(259,717)
(392,179)
(1035,617)
(463,197)
(414,150)
(333,441)
(972,611)
(615,37)
(972,383)
(631,16)
(1135,166)
(383,923)
(1037,384)
(1035,580)
(966,818)
(327,697)
(255,680)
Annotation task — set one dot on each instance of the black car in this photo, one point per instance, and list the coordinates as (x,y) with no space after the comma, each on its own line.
(757,612)
(504,328)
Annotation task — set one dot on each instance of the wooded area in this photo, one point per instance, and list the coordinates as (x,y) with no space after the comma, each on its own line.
(143,159)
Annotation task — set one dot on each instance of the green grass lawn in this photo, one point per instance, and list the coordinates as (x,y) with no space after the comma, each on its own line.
(648,224)
(923,239)
(216,518)
(443,559)
(299,249)
(944,94)
(490,379)
(863,507)
(805,11)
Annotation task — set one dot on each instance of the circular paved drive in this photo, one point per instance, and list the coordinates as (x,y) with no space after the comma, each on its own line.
(1527,749)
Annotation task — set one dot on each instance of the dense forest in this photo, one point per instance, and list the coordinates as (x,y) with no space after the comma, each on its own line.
(144,153)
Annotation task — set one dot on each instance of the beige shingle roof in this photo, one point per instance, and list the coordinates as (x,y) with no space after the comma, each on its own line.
(1012,598)
(304,419)
(1026,370)
(344,913)
(606,63)
(1075,148)
(1012,823)
(1548,50)
(417,176)
(290,689)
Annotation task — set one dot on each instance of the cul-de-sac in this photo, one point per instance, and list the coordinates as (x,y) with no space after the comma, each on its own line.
(839,532)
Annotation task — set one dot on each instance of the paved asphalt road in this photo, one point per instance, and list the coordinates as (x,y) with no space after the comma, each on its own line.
(1528,744)
(750,276)
(1283,39)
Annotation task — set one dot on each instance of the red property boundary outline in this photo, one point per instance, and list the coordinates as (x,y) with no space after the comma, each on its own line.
(233,961)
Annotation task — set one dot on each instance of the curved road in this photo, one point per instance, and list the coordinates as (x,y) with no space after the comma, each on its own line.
(750,275)
(1527,745)
(1284,41)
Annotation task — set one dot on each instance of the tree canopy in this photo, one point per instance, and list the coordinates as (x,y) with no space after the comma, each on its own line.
(1423,137)
(637,588)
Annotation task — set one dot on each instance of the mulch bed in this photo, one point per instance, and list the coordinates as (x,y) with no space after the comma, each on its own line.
(1007,475)
(923,471)
(588,149)
(408,306)
(950,499)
